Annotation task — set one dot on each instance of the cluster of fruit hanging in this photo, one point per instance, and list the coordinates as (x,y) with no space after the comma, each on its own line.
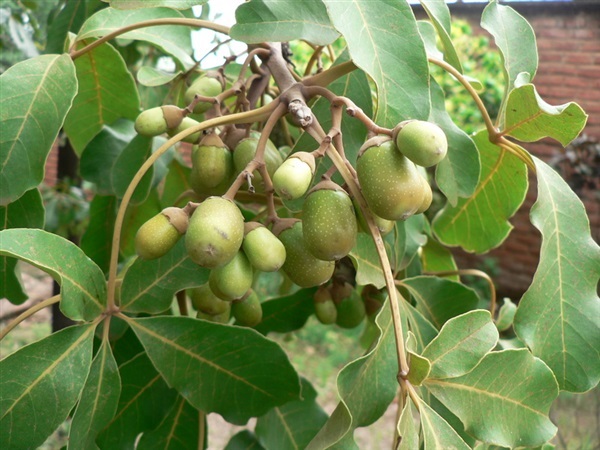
(305,249)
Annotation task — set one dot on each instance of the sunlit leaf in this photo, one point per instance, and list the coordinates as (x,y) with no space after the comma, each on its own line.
(506,315)
(180,429)
(173,39)
(480,222)
(559,315)
(437,258)
(107,92)
(437,433)
(83,288)
(529,118)
(439,14)
(289,313)
(294,424)
(233,363)
(136,4)
(149,286)
(39,385)
(419,368)
(421,328)
(440,299)
(149,76)
(69,19)
(25,212)
(461,344)
(99,400)
(516,399)
(458,173)
(407,429)
(281,21)
(371,29)
(97,239)
(36,95)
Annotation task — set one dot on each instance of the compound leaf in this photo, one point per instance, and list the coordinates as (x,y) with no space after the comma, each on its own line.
(480,222)
(40,383)
(36,95)
(515,388)
(281,21)
(559,315)
(83,288)
(233,363)
(371,28)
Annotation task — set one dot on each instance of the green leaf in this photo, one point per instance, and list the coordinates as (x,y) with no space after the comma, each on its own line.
(429,36)
(70,18)
(293,425)
(172,39)
(506,315)
(440,299)
(462,342)
(515,39)
(97,239)
(366,386)
(149,76)
(233,362)
(437,258)
(447,415)
(83,288)
(480,222)
(529,118)
(458,173)
(419,368)
(25,212)
(177,181)
(244,440)
(366,262)
(136,4)
(178,430)
(559,315)
(403,245)
(437,433)
(145,400)
(40,383)
(127,165)
(516,391)
(149,286)
(281,21)
(99,400)
(107,92)
(289,313)
(407,429)
(36,95)
(439,14)
(420,327)
(371,29)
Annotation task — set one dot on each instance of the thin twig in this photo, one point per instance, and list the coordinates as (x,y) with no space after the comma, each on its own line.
(29,312)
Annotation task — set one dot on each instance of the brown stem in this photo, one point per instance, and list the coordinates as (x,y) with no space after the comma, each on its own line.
(313,58)
(29,312)
(182,303)
(198,23)
(330,75)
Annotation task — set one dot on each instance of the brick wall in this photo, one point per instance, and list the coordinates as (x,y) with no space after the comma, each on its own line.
(568,38)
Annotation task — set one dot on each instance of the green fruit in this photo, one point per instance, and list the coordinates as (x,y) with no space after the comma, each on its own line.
(265,252)
(160,234)
(329,223)
(390,182)
(300,265)
(204,300)
(427,196)
(248,311)
(215,233)
(384,225)
(212,166)
(292,179)
(350,311)
(205,86)
(325,309)
(155,121)
(245,151)
(186,123)
(424,143)
(232,280)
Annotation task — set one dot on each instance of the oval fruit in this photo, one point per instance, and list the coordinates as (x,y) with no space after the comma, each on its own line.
(383,225)
(292,179)
(325,309)
(212,165)
(232,280)
(186,123)
(424,143)
(204,300)
(350,311)
(160,234)
(390,182)
(248,311)
(155,121)
(427,196)
(265,252)
(205,86)
(329,223)
(245,151)
(300,265)
(215,232)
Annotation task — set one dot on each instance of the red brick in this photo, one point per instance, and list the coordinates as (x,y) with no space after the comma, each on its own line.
(579,58)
